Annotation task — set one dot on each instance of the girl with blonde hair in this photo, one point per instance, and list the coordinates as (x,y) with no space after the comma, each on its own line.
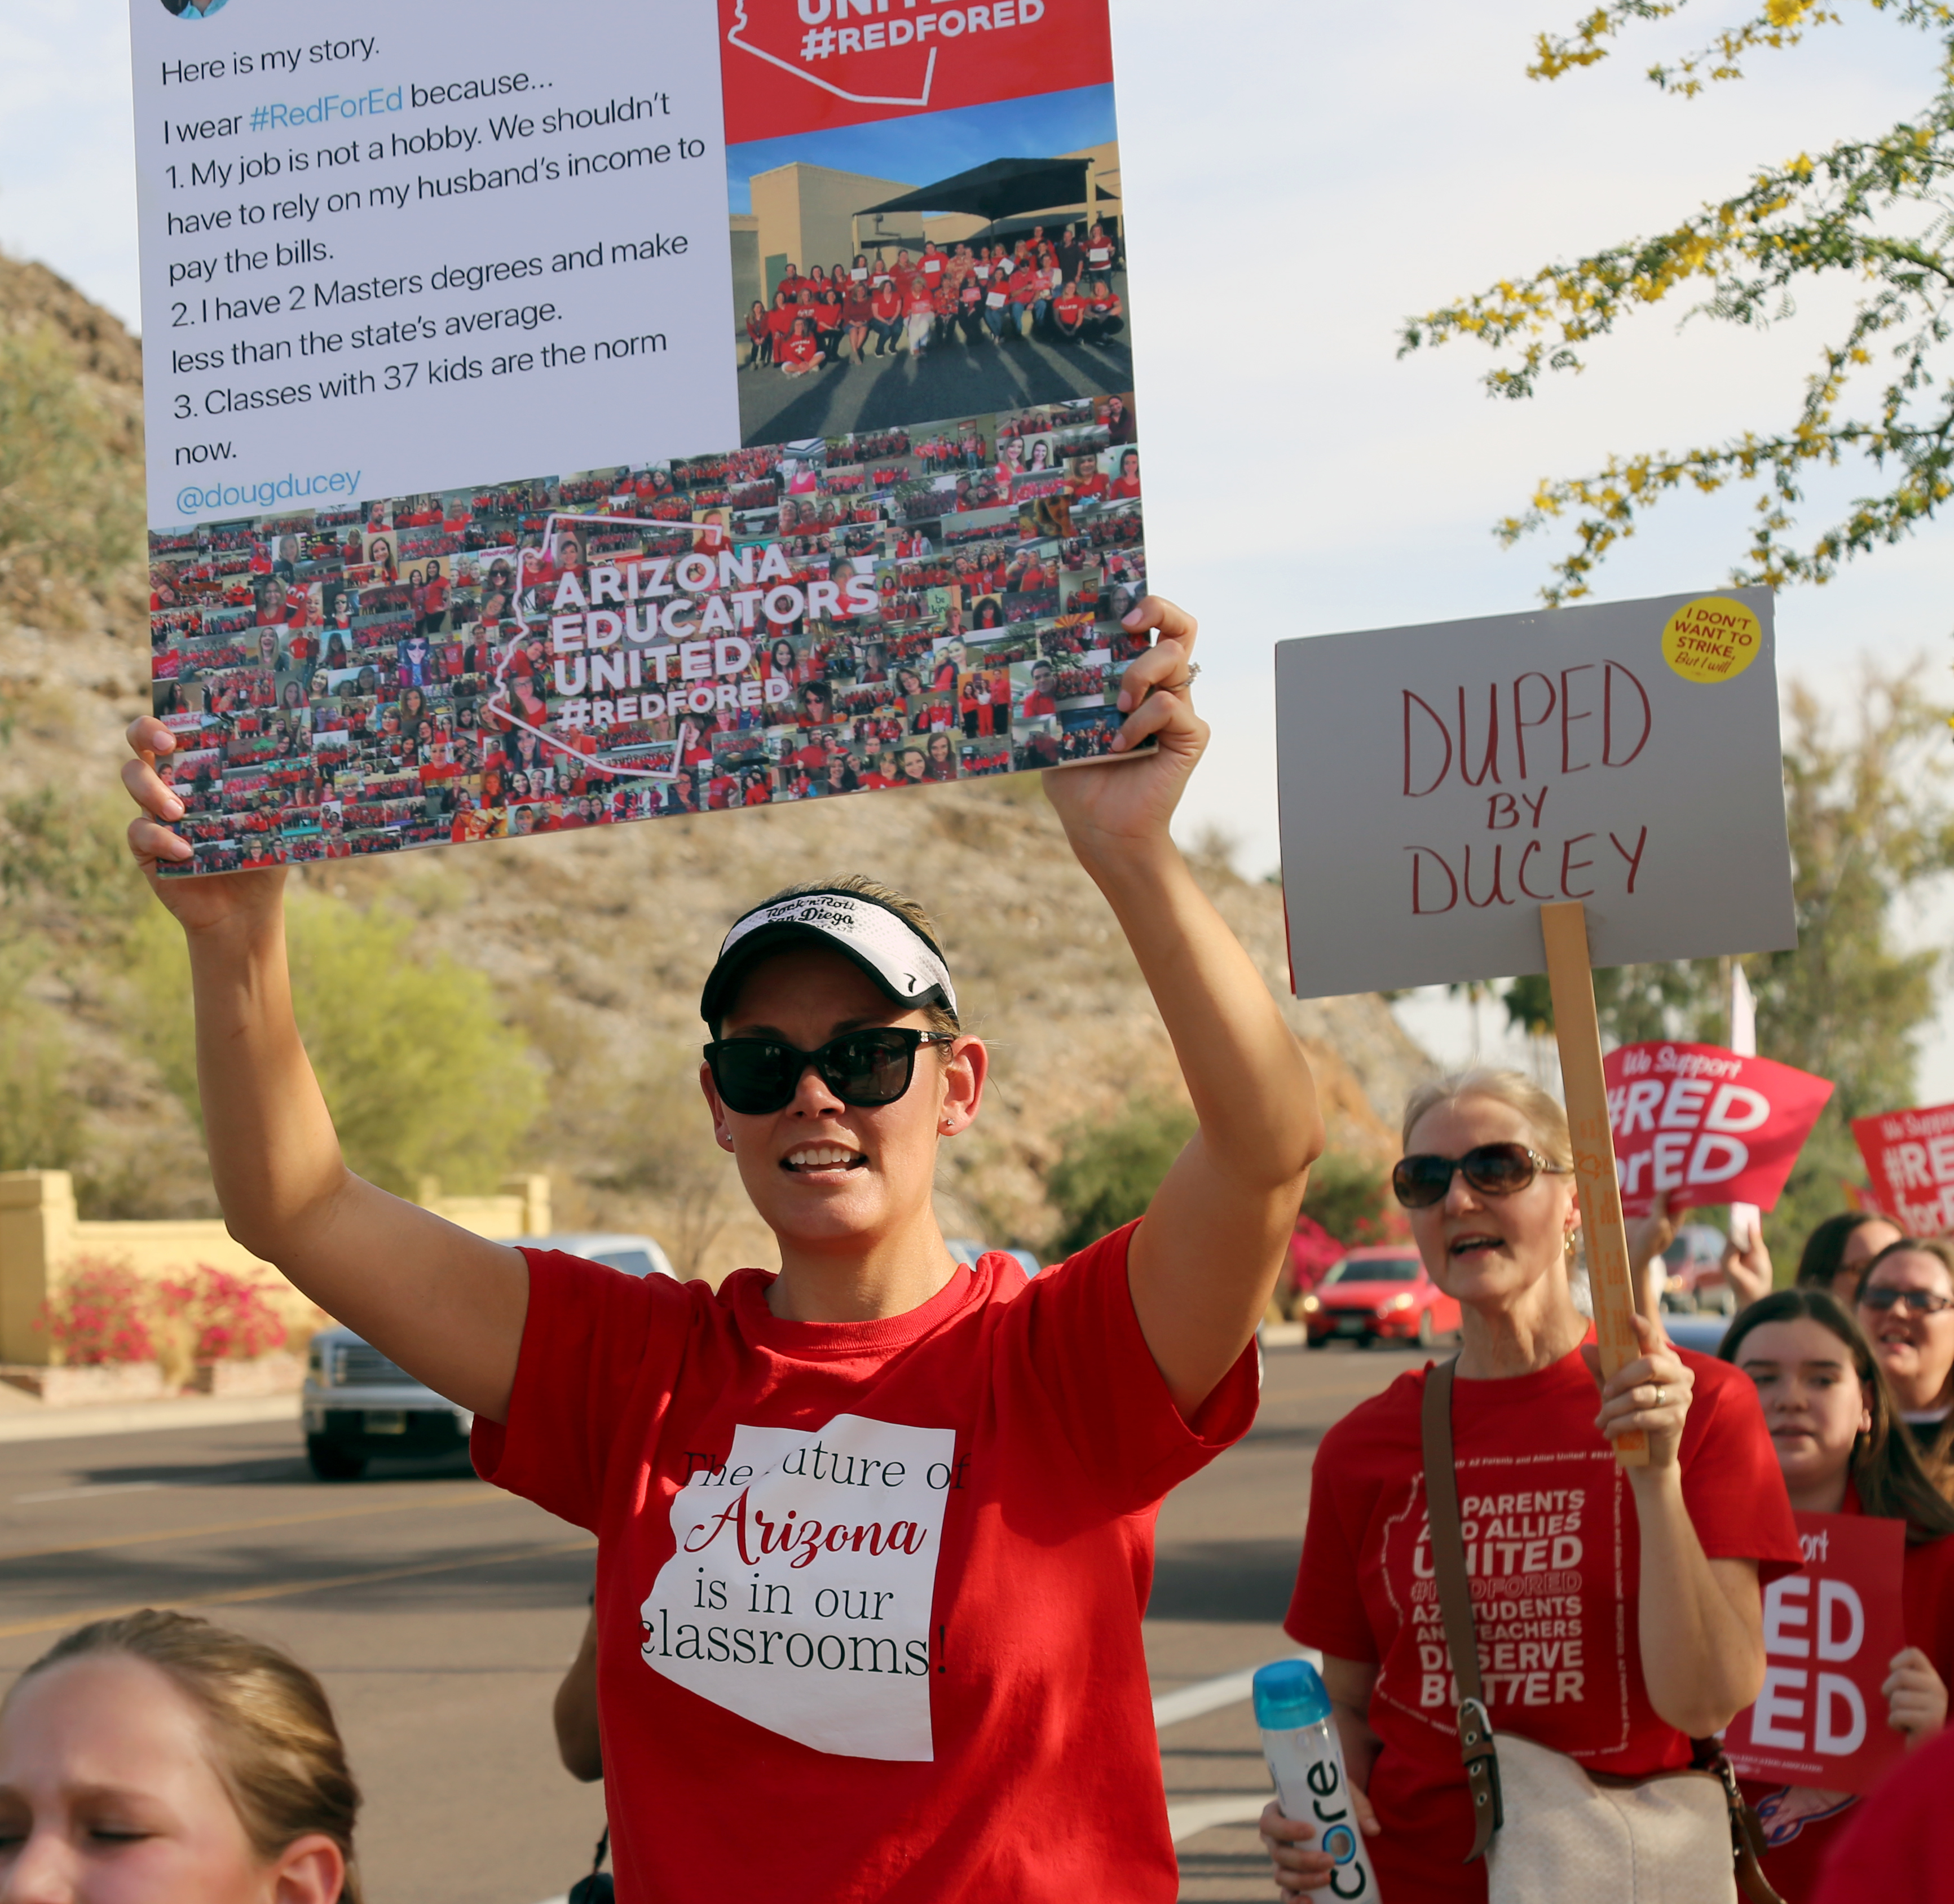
(157,1758)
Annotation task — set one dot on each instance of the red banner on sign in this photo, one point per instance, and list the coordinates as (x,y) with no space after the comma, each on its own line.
(808,65)
(1910,1157)
(1705,1124)
(1830,1634)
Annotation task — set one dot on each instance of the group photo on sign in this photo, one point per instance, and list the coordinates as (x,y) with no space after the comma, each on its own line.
(1321,1269)
(791,622)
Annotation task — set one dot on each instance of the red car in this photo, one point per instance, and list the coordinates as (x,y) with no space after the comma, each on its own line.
(1379,1294)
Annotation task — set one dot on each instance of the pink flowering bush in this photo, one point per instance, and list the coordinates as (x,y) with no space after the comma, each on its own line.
(230,1318)
(100,1314)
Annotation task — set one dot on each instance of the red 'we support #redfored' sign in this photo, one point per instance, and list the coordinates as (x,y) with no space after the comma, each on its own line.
(1910,1157)
(1830,1634)
(1705,1124)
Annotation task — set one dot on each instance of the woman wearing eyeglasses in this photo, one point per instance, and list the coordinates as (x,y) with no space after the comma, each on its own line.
(1618,1611)
(874,1532)
(1906,1305)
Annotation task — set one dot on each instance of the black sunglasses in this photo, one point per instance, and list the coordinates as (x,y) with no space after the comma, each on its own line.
(1492,1169)
(756,1076)
(1922,1302)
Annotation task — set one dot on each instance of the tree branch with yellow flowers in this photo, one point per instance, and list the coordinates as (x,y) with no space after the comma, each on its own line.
(1878,212)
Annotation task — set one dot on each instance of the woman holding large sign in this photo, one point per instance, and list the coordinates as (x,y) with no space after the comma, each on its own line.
(1832,1423)
(1617,1609)
(875,1533)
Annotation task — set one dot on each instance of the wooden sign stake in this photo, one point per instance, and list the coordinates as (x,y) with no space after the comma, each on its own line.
(1563,925)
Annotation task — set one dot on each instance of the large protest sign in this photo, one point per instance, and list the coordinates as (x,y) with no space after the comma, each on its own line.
(1831,1633)
(1439,783)
(1910,1158)
(537,439)
(1706,1125)
(1555,791)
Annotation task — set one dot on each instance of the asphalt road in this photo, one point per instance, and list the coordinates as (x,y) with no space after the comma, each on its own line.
(440,1614)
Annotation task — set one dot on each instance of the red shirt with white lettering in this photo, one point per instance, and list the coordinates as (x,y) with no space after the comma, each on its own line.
(1550,1534)
(1801,1824)
(905,1628)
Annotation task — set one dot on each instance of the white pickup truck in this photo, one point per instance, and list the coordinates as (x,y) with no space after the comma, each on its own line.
(359,1406)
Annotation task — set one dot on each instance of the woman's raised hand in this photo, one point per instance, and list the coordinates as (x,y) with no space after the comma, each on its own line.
(213,900)
(1116,802)
(1916,1698)
(1651,1394)
(1746,1266)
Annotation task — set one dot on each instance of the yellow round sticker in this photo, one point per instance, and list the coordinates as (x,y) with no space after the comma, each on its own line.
(1712,639)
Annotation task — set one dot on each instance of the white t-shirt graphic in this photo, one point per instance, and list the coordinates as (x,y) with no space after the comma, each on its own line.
(798,1594)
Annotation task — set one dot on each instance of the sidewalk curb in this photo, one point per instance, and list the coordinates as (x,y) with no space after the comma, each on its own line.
(66,1424)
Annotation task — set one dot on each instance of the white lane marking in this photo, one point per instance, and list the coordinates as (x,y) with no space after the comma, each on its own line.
(1210,1696)
(86,1494)
(1190,1819)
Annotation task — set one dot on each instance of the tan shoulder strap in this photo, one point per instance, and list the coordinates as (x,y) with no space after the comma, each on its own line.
(1455,1601)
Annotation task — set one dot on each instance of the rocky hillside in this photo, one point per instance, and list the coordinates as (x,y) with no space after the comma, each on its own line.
(596,943)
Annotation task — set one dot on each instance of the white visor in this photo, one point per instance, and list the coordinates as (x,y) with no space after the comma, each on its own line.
(880,941)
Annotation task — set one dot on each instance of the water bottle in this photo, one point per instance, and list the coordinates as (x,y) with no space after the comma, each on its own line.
(1306,1761)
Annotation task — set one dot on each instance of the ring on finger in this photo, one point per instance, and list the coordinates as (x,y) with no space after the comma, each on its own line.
(1185,682)
(1661,1395)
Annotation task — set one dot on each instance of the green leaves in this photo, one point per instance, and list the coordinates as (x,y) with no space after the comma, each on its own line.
(70,480)
(1879,211)
(1107,1172)
(420,1072)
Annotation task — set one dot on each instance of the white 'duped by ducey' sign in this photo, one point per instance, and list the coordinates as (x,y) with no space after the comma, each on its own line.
(1439,783)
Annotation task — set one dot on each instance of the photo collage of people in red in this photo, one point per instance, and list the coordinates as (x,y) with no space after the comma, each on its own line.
(795,621)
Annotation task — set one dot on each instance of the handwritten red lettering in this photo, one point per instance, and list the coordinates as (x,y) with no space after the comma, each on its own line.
(1634,859)
(1569,866)
(1496,895)
(1569,716)
(1520,723)
(1419,855)
(1444,735)
(1608,671)
(1489,761)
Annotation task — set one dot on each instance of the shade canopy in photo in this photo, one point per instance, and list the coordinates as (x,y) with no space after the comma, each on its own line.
(997,189)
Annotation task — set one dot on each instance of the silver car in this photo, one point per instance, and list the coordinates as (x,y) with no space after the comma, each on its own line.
(358,1406)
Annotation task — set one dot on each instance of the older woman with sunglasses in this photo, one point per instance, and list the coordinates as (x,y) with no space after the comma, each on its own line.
(1906,1305)
(1622,1609)
(874,1531)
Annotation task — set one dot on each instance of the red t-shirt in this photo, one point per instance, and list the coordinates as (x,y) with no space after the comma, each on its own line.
(1895,1847)
(781,319)
(1547,1508)
(978,1552)
(798,350)
(1800,1824)
(1036,704)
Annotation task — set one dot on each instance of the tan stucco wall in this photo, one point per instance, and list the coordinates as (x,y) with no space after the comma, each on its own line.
(42,1239)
